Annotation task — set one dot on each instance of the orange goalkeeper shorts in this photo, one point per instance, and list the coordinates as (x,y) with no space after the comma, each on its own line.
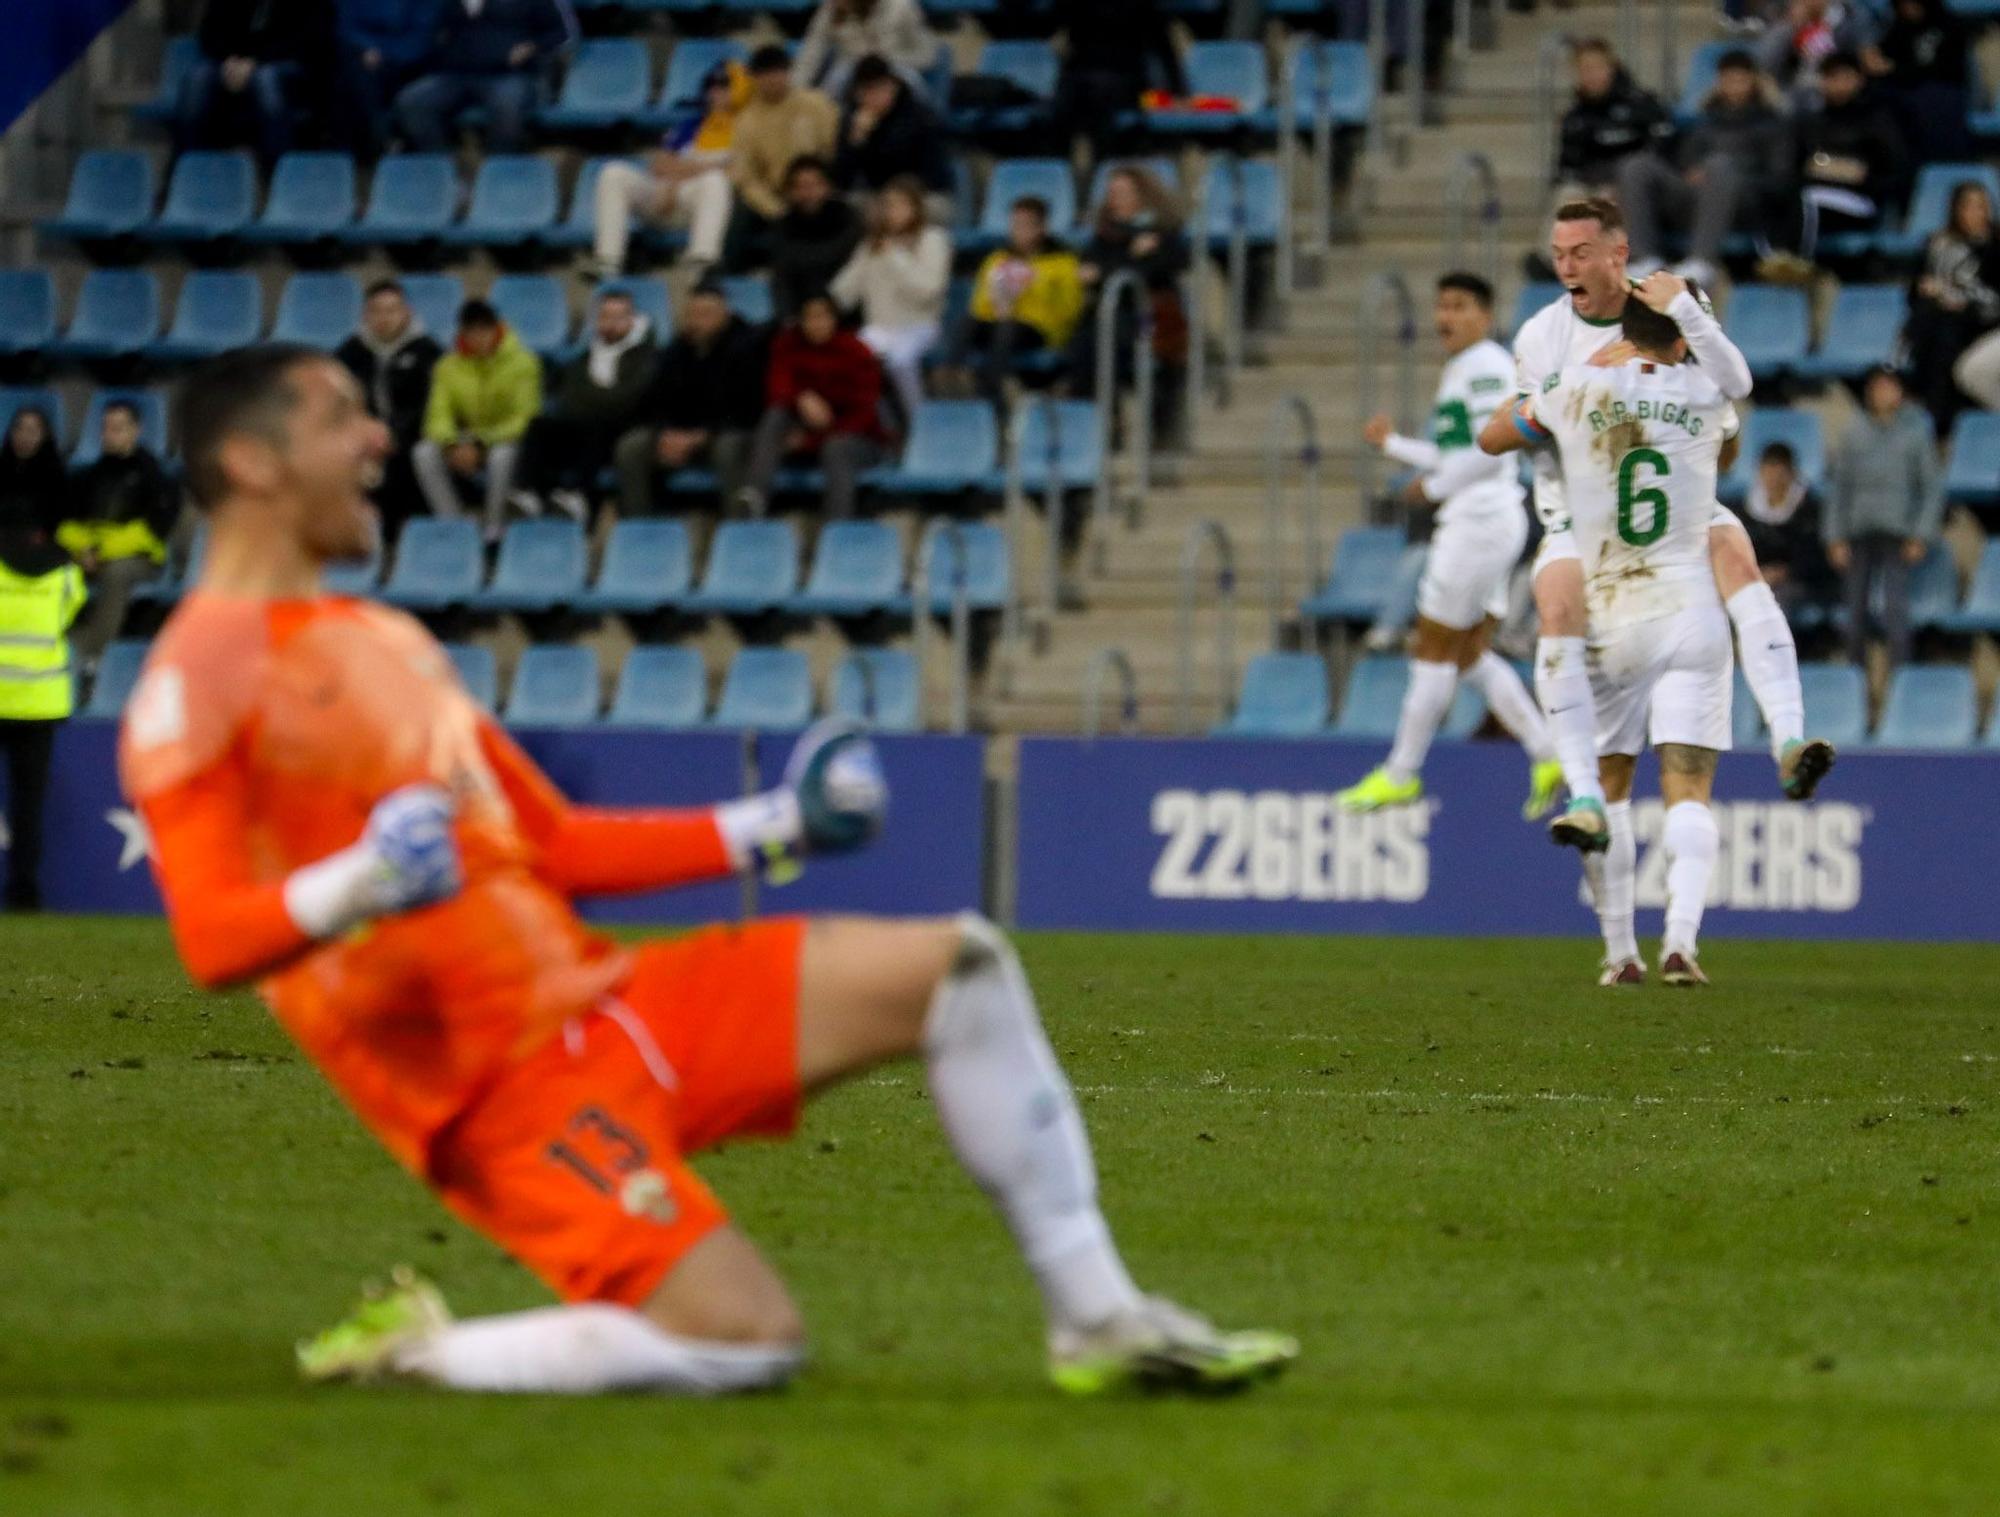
(574,1163)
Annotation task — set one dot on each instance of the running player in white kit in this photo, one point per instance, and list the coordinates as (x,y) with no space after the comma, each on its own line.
(1640,432)
(1482,528)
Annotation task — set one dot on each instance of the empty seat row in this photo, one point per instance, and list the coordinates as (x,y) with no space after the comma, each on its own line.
(1288,695)
(1927,706)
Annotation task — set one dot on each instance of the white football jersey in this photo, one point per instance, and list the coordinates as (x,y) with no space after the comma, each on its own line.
(1639,446)
(1474,384)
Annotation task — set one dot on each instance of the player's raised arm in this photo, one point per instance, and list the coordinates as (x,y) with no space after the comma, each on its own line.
(1720,359)
(1513,429)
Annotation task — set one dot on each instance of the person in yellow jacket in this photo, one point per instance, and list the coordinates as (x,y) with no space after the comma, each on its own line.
(117,516)
(1026,297)
(484,392)
(41,591)
(685,180)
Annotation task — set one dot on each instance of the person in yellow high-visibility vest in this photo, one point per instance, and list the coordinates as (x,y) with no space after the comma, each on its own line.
(41,591)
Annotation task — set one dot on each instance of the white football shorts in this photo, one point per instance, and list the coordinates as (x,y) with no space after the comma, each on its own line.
(1468,568)
(1669,679)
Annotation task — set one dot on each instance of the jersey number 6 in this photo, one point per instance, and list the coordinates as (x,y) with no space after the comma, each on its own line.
(1630,497)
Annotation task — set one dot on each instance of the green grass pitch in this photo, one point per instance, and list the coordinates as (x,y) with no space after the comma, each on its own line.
(1550,1250)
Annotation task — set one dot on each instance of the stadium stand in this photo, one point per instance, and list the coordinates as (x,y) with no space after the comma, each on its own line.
(1283,695)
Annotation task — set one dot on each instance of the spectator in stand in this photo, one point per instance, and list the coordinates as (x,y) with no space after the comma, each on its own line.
(1737,153)
(813,239)
(897,280)
(1953,335)
(780,125)
(1782,515)
(392,357)
(597,400)
(1807,34)
(889,133)
(1885,504)
(384,46)
(34,486)
(1922,63)
(844,32)
(1026,297)
(484,392)
(496,54)
(823,401)
(262,63)
(1110,46)
(686,179)
(705,401)
(117,519)
(1852,166)
(1137,228)
(1610,120)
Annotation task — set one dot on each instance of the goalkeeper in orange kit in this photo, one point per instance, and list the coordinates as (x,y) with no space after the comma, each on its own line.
(334,818)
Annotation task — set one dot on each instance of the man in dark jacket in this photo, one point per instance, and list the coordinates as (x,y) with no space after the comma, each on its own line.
(1853,166)
(1736,154)
(888,131)
(392,356)
(497,54)
(813,239)
(706,398)
(261,61)
(119,515)
(1610,120)
(1115,50)
(384,45)
(597,397)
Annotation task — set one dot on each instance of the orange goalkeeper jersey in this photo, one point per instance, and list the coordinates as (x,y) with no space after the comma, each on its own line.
(258,739)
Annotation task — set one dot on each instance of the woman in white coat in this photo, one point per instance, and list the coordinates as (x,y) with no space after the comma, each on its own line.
(897,280)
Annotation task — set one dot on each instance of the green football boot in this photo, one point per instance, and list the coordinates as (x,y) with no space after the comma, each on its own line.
(363,1346)
(1160,1347)
(1378,792)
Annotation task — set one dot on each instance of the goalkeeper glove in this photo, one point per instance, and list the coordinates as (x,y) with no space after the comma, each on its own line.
(406,857)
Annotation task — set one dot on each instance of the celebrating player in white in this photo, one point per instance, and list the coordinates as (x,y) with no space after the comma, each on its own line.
(1640,433)
(1482,528)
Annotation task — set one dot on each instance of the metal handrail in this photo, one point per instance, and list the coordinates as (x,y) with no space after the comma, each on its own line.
(1465,168)
(1287,270)
(1200,534)
(1114,660)
(1548,100)
(920,628)
(1194,285)
(1141,431)
(1299,408)
(1055,509)
(1390,287)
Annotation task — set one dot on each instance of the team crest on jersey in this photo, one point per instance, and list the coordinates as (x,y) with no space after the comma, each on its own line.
(645,1193)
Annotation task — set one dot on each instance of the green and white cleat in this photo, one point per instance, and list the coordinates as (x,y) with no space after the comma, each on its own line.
(1378,792)
(363,1346)
(1802,764)
(1581,826)
(1545,782)
(1161,1347)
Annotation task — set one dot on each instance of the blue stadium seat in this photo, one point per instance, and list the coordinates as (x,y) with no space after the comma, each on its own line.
(978,553)
(1773,327)
(321,310)
(27,310)
(435,298)
(1079,447)
(1161,167)
(1933,590)
(647,566)
(535,306)
(857,568)
(1532,299)
(1336,73)
(1245,188)
(953,446)
(1468,710)
(680,89)
(117,672)
(1836,697)
(876,687)
(753,566)
(1283,695)
(110,195)
(1929,707)
(1862,330)
(1364,563)
(117,314)
(749,296)
(210,196)
(1930,200)
(660,687)
(1227,70)
(1373,702)
(541,566)
(1801,430)
(152,408)
(312,199)
(606,86)
(1031,66)
(514,200)
(1972,464)
(1701,73)
(49,402)
(439,564)
(413,199)
(766,688)
(477,671)
(1012,178)
(578,228)
(1981,609)
(356,577)
(177,61)
(555,685)
(218,309)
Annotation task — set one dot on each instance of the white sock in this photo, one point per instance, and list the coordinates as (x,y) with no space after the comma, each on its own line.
(1012,1120)
(1508,699)
(1562,682)
(1425,705)
(586,1349)
(1618,884)
(1691,840)
(1770,662)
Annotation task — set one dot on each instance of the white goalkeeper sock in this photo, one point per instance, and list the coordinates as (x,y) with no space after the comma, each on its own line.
(1562,683)
(1012,1120)
(1508,699)
(1691,841)
(1770,662)
(1425,704)
(586,1349)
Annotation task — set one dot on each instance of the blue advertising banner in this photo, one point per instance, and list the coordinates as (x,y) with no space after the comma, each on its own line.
(1217,835)
(931,858)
